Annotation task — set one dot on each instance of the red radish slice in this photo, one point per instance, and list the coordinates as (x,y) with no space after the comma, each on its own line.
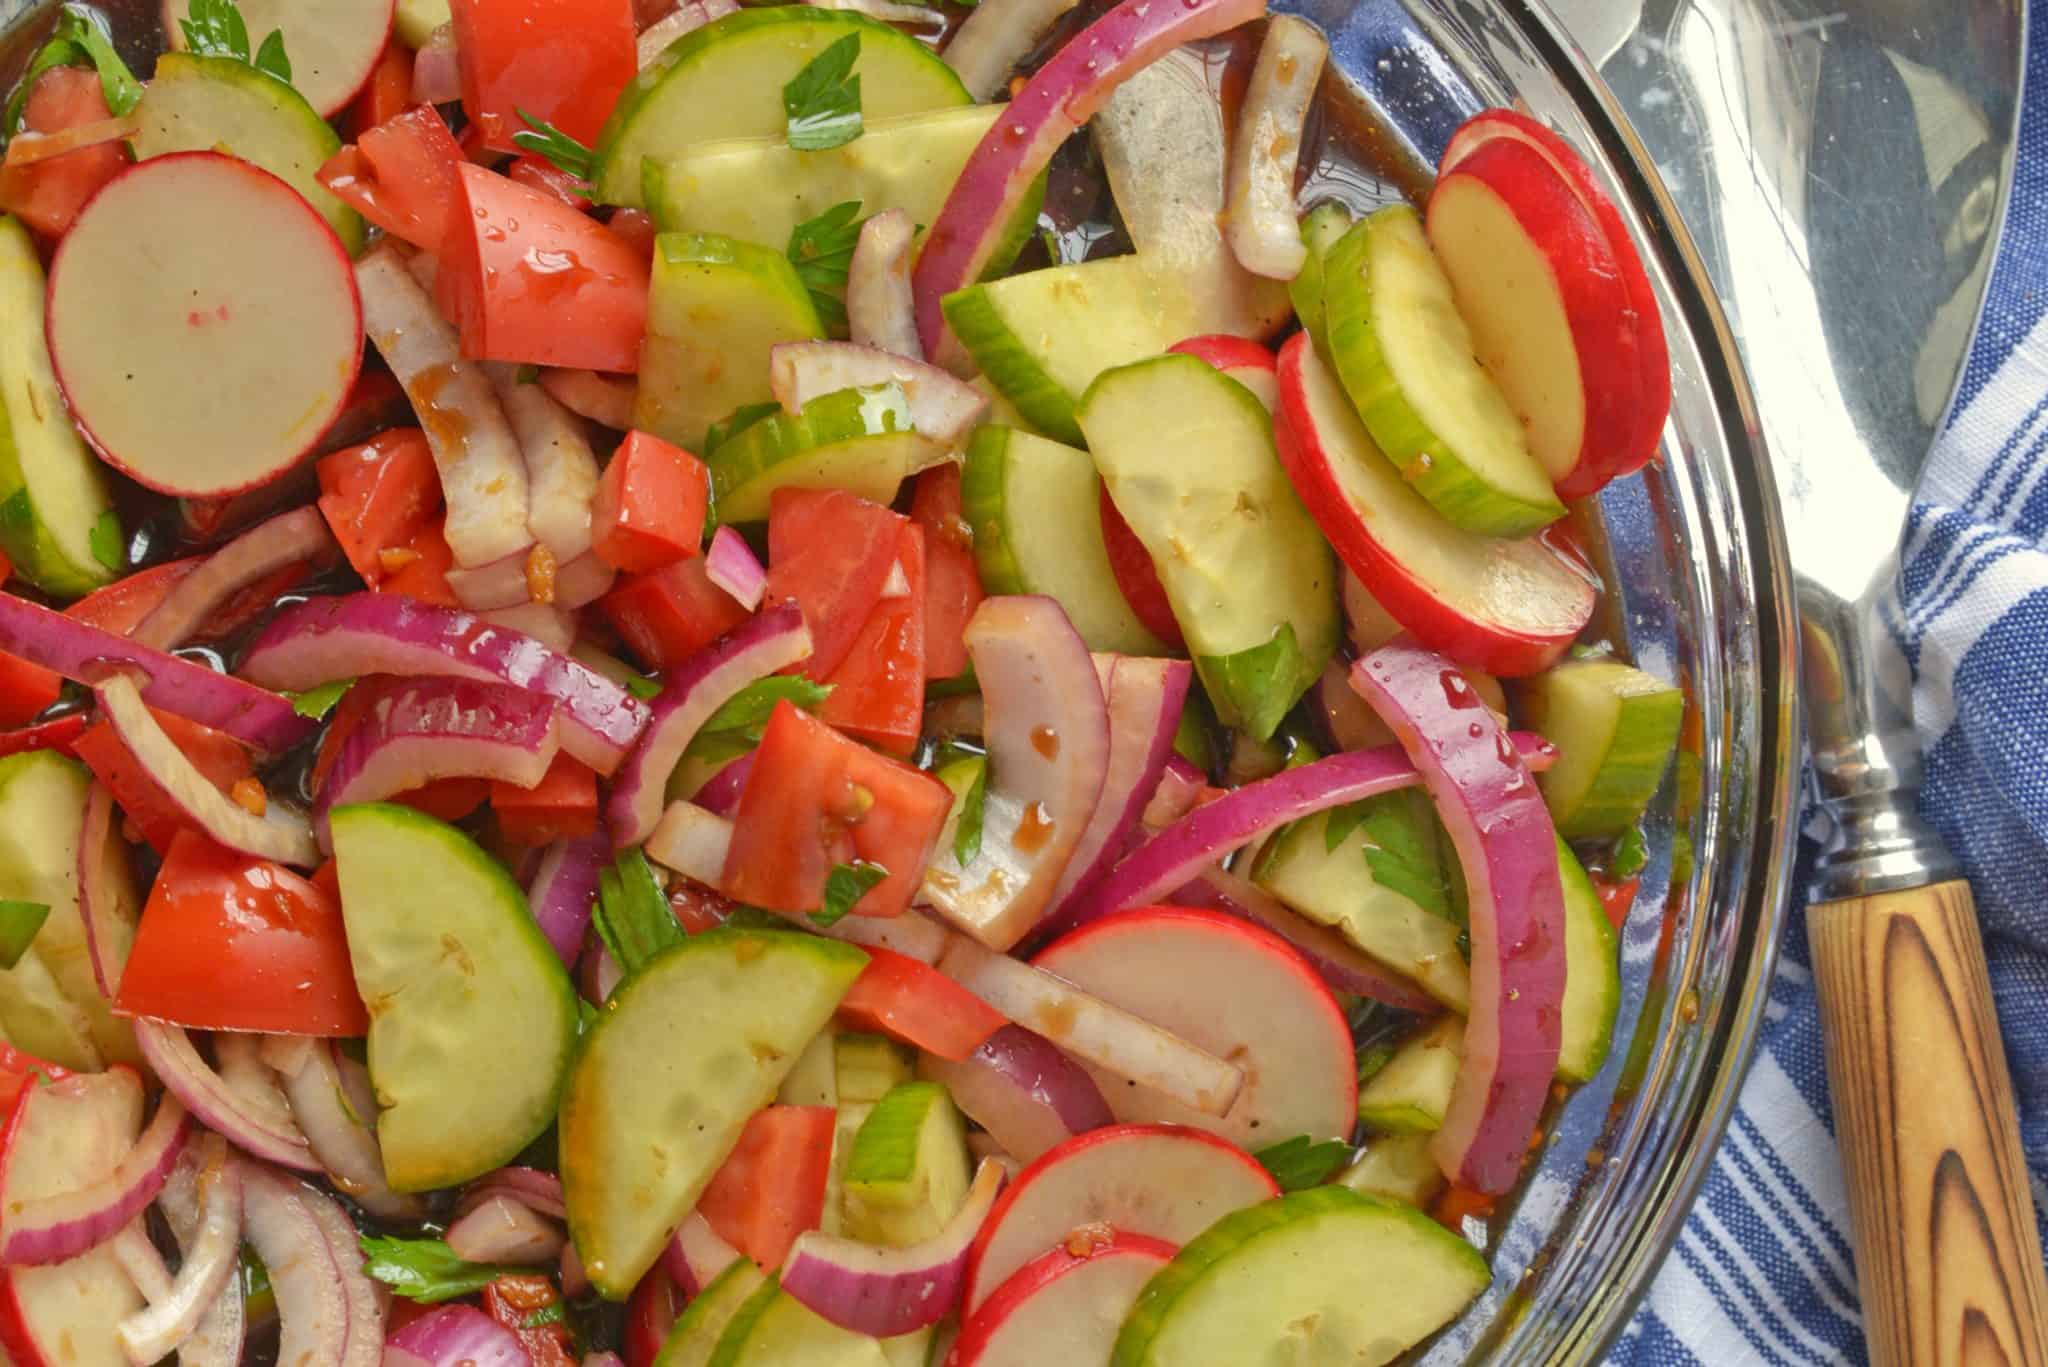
(1145,698)
(693,842)
(1243,360)
(333,45)
(1057,100)
(730,563)
(256,1125)
(1159,1181)
(502,1229)
(880,312)
(310,643)
(563,888)
(291,538)
(340,1136)
(505,582)
(1021,1089)
(1064,1306)
(1237,990)
(696,688)
(606,400)
(321,1290)
(1336,960)
(1137,578)
(561,469)
(888,1292)
(1509,607)
(1551,319)
(1264,230)
(941,407)
(455,1336)
(211,1255)
(203,323)
(1653,353)
(1508,848)
(55,1228)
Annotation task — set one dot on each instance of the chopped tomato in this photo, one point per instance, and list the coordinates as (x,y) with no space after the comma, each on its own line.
(18,1070)
(829,552)
(513,1301)
(550,179)
(218,916)
(401,175)
(389,89)
(771,1187)
(47,194)
(517,263)
(635,228)
(915,1003)
(1137,576)
(952,584)
(377,496)
(878,689)
(814,799)
(698,909)
(419,568)
(446,799)
(649,507)
(153,812)
(51,735)
(562,806)
(651,1312)
(1616,897)
(120,606)
(562,62)
(25,690)
(670,614)
(1456,1202)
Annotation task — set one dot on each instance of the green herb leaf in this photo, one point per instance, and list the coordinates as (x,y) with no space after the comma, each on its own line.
(551,144)
(315,703)
(551,1313)
(821,249)
(967,831)
(632,914)
(1339,825)
(736,422)
(105,539)
(79,38)
(19,922)
(214,28)
(1631,854)
(270,58)
(425,1270)
(527,374)
(738,722)
(1399,843)
(845,885)
(822,101)
(642,687)
(1050,240)
(1301,1162)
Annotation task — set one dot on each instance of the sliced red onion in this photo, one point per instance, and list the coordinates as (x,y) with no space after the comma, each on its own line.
(429,729)
(695,689)
(1055,103)
(501,1229)
(365,1298)
(561,469)
(286,1055)
(565,886)
(1336,960)
(437,69)
(606,400)
(691,14)
(691,841)
(85,654)
(1145,697)
(553,626)
(1048,746)
(941,407)
(106,892)
(59,1227)
(731,564)
(720,794)
(532,1188)
(459,1336)
(216,1338)
(1209,832)
(259,1126)
(289,539)
(379,633)
(282,833)
(211,1252)
(1021,1089)
(341,1137)
(879,310)
(1263,228)
(995,37)
(891,1291)
(503,583)
(912,936)
(598,973)
(140,1260)
(888,11)
(1091,1029)
(695,1257)
(1507,847)
(319,1289)
(1180,784)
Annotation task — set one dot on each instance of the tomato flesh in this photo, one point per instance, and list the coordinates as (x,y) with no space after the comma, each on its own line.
(562,62)
(47,195)
(670,614)
(649,508)
(829,552)
(913,1002)
(771,1187)
(377,496)
(952,583)
(878,689)
(562,806)
(401,175)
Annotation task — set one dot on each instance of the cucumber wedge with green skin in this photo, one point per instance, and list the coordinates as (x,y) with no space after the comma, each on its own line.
(775,1329)
(1615,729)
(907,1172)
(1406,358)
(1187,455)
(860,440)
(1409,1095)
(715,305)
(725,80)
(644,1124)
(1290,1281)
(1592,982)
(52,491)
(1035,507)
(1320,229)
(869,1067)
(1399,1167)
(695,1335)
(220,104)
(472,1018)
(814,1081)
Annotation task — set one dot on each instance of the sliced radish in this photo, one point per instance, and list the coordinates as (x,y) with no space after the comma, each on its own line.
(333,44)
(204,324)
(1344,966)
(61,1226)
(1237,990)
(1159,1181)
(1065,1305)
(1250,364)
(1263,228)
(1509,607)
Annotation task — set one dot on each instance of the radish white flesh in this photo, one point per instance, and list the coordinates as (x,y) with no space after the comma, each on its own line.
(941,407)
(203,324)
(997,35)
(333,44)
(1264,230)
(63,1226)
(1064,1306)
(879,309)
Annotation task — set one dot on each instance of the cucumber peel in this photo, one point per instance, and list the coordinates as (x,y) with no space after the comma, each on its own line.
(1615,729)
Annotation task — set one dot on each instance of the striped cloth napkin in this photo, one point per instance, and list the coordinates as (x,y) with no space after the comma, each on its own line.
(1763,1272)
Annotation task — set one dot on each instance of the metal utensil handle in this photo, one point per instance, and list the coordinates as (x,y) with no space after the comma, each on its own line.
(1945,1245)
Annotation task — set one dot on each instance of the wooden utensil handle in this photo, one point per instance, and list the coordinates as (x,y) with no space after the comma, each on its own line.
(1945,1246)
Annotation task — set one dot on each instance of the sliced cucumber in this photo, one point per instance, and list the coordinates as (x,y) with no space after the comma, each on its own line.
(1615,729)
(869,1067)
(1410,1094)
(1035,507)
(714,308)
(775,1329)
(1592,982)
(695,1336)
(814,1080)
(644,1124)
(852,1115)
(1399,1167)
(52,492)
(333,44)
(219,104)
(1406,358)
(1291,1281)
(857,439)
(725,80)
(908,1172)
(1320,229)
(472,1018)
(1187,455)
(1337,887)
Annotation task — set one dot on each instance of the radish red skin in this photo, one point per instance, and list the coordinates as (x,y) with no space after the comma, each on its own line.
(1508,847)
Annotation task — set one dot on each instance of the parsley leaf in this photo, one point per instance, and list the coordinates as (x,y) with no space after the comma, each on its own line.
(822,101)
(270,58)
(425,1270)
(632,915)
(19,922)
(214,28)
(821,249)
(1372,1058)
(736,422)
(1050,240)
(551,144)
(1399,844)
(1301,1162)
(315,703)
(17,514)
(845,885)
(77,39)
(966,773)
(643,688)
(1631,854)
(551,1313)
(738,721)
(105,540)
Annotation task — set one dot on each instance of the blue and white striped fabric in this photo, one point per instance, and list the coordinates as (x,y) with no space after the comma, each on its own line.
(1763,1271)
